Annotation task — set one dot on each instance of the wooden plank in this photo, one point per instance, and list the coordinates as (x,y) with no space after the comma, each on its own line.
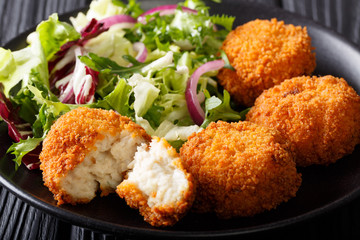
(341,16)
(17,16)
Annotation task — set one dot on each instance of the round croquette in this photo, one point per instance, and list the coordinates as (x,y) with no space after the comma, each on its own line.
(263,54)
(157,184)
(87,150)
(320,116)
(241,169)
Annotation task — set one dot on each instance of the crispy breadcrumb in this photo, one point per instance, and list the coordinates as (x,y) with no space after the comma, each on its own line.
(81,153)
(263,54)
(158,185)
(241,169)
(320,116)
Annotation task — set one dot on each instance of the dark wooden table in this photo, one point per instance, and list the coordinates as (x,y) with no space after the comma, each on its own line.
(18,220)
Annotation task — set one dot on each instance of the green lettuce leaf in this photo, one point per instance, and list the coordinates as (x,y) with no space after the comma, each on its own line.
(217,109)
(20,149)
(49,111)
(119,99)
(223,20)
(56,108)
(54,33)
(7,63)
(102,64)
(100,9)
(111,44)
(24,66)
(107,83)
(145,95)
(172,132)
(132,8)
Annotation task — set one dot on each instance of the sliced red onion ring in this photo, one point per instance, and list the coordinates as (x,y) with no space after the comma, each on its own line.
(116,19)
(195,110)
(141,50)
(163,10)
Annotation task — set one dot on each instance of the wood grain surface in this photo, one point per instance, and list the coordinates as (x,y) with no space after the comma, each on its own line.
(18,220)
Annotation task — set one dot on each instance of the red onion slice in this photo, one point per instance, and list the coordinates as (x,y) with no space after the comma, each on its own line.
(116,19)
(163,10)
(194,108)
(141,50)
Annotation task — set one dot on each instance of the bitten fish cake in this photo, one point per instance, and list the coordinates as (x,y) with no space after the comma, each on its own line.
(86,151)
(241,169)
(157,184)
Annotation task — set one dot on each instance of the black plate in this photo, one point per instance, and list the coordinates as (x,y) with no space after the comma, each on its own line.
(323,188)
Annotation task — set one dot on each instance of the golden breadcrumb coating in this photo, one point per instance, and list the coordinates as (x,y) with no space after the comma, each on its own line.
(72,137)
(320,116)
(241,169)
(263,54)
(159,214)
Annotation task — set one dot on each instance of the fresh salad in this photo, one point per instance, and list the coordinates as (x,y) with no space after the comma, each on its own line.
(157,67)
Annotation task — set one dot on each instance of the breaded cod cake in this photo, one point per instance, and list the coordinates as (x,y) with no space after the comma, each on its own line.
(320,116)
(264,53)
(157,184)
(241,169)
(88,150)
